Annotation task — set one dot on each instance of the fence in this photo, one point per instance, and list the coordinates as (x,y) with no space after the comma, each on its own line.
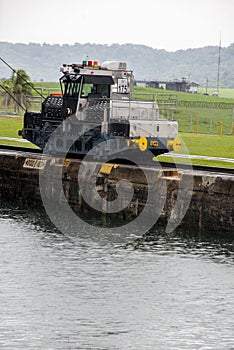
(205,118)
(167,103)
(31,103)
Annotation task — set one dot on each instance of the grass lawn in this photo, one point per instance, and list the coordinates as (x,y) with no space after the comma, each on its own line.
(223,92)
(213,146)
(203,162)
(209,111)
(205,145)
(47,87)
(227,95)
(9,127)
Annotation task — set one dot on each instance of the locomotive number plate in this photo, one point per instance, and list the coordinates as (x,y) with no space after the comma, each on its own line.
(32,163)
(154,143)
(122,86)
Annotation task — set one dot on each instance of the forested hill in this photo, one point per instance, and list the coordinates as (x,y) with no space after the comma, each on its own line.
(198,65)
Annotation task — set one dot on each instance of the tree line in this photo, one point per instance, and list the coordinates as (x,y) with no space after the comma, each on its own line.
(42,61)
(17,89)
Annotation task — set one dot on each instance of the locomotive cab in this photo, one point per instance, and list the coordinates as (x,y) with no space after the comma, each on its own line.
(100,98)
(82,89)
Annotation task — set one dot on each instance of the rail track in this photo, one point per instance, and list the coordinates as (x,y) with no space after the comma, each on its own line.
(185,167)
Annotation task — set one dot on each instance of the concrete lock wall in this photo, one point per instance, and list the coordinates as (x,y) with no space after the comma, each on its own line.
(208,206)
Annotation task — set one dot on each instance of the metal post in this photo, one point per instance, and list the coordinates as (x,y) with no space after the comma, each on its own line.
(191,122)
(206,86)
(220,128)
(233,121)
(162,106)
(197,127)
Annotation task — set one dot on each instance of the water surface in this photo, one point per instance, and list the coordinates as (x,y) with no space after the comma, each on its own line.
(81,291)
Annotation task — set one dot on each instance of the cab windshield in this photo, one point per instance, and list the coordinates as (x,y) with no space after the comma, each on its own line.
(96,86)
(70,88)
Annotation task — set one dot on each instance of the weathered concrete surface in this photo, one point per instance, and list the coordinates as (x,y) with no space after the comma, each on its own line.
(211,208)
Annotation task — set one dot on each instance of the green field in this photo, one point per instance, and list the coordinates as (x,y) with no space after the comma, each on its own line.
(206,145)
(46,88)
(9,127)
(225,95)
(213,146)
(223,92)
(209,111)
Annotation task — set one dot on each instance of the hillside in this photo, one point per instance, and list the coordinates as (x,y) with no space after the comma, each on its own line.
(198,65)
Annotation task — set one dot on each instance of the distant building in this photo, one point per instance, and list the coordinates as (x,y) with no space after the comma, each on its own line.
(175,85)
(192,87)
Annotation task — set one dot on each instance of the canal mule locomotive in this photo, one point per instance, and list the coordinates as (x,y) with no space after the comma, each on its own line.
(96,105)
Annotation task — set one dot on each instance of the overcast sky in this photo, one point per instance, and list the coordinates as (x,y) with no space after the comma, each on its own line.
(164,24)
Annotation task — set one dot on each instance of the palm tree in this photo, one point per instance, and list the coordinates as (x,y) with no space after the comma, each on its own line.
(19,87)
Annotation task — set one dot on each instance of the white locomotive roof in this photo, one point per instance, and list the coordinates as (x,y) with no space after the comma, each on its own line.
(114,65)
